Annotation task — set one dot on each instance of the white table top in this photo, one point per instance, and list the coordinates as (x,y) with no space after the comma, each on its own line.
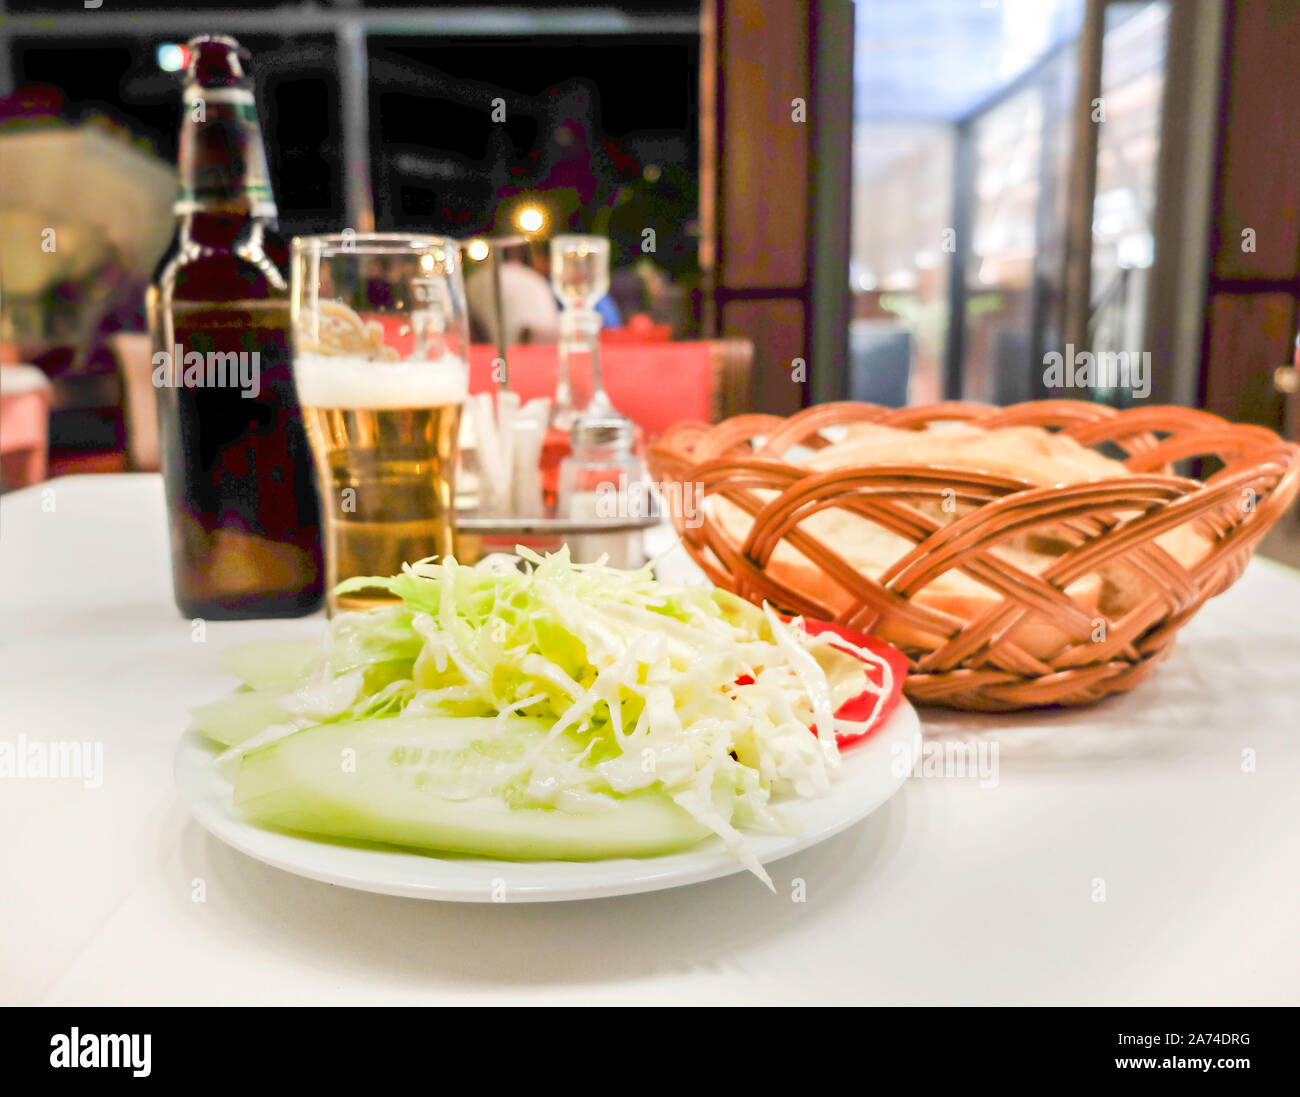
(952,893)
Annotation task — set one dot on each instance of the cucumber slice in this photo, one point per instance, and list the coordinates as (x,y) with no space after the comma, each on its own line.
(240,716)
(416,781)
(277,664)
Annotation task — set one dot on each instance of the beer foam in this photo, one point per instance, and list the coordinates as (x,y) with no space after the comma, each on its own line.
(327,381)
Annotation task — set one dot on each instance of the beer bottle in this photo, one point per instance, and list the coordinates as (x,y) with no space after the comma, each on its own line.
(241,495)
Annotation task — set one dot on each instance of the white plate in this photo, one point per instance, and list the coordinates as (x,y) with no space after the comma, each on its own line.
(872,772)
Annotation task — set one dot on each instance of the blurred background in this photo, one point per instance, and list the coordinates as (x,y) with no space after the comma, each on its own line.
(889,200)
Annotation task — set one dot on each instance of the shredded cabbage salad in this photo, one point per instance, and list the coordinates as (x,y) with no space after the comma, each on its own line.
(687,690)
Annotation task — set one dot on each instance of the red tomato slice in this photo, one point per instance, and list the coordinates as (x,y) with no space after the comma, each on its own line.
(861,707)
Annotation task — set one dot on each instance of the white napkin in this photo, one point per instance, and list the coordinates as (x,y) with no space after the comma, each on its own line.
(509,453)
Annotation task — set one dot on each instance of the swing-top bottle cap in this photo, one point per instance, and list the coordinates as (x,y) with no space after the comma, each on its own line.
(218,61)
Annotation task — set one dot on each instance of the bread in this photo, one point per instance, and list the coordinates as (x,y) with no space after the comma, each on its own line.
(871,550)
(1025,453)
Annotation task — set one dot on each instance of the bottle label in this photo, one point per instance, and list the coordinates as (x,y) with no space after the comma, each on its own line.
(221,158)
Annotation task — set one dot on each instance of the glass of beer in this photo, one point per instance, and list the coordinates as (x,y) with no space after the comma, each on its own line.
(380,361)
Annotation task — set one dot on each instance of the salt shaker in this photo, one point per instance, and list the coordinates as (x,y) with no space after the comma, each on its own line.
(602,479)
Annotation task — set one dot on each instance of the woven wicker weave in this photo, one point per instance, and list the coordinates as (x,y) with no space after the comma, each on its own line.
(973,664)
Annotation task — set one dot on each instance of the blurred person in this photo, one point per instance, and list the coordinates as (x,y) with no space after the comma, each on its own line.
(532,314)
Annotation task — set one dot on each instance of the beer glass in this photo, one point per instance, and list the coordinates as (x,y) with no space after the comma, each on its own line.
(380,360)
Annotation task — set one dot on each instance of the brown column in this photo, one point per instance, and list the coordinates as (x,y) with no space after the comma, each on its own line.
(776,139)
(1254,283)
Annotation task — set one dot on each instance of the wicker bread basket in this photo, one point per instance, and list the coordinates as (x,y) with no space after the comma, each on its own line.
(1110,523)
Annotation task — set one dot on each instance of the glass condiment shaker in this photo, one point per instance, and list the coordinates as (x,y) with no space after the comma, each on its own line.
(580,389)
(602,479)
(580,278)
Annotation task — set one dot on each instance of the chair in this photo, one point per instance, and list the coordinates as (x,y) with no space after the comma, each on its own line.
(25,394)
(880,363)
(655,384)
(733,377)
(133,351)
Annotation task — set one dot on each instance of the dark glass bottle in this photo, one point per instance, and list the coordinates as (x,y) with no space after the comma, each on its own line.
(241,496)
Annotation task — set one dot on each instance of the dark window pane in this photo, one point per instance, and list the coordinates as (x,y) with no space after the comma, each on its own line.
(604,132)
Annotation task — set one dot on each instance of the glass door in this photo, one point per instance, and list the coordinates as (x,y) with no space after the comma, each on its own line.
(1027,168)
